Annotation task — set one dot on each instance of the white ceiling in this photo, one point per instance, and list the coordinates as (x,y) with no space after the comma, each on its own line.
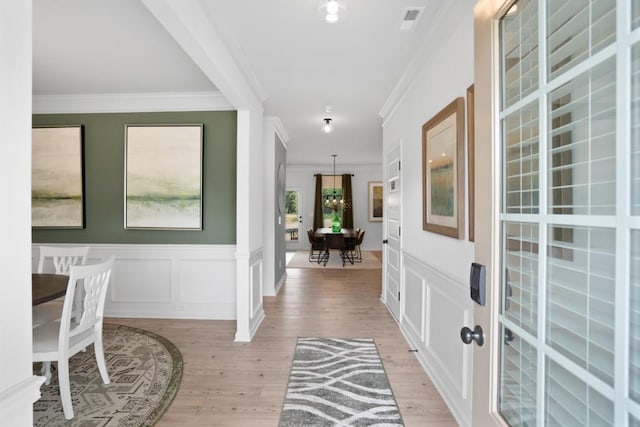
(301,63)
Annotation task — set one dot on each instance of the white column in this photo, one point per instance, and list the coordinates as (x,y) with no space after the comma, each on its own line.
(249,223)
(18,387)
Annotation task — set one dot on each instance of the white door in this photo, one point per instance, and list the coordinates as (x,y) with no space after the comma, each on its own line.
(294,234)
(393,220)
(558,207)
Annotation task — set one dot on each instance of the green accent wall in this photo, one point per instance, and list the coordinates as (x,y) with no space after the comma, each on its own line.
(104,179)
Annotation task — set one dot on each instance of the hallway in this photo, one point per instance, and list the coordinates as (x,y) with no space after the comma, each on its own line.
(243,384)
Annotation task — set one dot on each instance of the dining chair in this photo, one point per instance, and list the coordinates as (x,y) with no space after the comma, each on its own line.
(57,259)
(317,246)
(336,241)
(357,251)
(58,341)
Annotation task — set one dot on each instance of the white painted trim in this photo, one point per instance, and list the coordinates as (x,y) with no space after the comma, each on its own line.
(433,373)
(456,395)
(249,318)
(190,24)
(280,282)
(324,164)
(279,129)
(206,292)
(22,394)
(131,102)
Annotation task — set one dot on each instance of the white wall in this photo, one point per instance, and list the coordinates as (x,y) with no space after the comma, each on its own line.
(444,77)
(275,152)
(302,176)
(435,268)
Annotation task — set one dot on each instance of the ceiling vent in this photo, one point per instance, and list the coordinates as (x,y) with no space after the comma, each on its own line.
(410,18)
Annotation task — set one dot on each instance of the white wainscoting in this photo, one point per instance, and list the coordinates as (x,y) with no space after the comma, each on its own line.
(435,306)
(255,308)
(168,281)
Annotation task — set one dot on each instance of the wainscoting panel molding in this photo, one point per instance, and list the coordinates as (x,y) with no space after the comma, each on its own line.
(435,306)
(413,305)
(256,308)
(168,281)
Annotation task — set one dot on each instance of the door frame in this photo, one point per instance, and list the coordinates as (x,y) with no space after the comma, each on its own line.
(300,244)
(487,206)
(385,230)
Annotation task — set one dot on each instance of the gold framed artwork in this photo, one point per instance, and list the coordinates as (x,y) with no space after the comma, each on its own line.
(163,177)
(443,171)
(375,201)
(471,159)
(57,177)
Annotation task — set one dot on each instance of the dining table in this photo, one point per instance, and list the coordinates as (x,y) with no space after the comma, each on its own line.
(348,233)
(331,242)
(47,287)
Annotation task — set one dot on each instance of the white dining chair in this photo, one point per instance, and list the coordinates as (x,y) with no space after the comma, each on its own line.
(57,260)
(58,341)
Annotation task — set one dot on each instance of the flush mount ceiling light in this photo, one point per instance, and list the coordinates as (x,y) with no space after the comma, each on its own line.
(330,9)
(327,127)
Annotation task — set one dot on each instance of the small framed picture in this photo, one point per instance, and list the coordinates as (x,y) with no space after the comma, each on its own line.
(375,201)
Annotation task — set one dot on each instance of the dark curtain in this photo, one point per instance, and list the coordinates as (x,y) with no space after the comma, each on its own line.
(318,221)
(347,196)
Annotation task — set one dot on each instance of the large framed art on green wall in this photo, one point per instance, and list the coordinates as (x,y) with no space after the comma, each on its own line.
(104,157)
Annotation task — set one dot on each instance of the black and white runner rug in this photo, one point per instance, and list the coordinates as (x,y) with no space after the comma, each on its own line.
(338,382)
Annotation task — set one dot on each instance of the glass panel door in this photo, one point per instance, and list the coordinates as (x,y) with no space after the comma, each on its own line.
(570,225)
(292,219)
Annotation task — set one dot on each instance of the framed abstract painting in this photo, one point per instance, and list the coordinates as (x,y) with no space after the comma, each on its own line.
(443,171)
(57,177)
(163,177)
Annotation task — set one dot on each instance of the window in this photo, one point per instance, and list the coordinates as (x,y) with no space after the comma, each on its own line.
(331,187)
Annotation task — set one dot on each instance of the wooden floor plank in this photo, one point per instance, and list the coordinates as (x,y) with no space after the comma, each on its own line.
(243,384)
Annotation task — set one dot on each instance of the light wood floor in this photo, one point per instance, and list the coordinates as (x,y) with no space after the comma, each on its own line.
(243,384)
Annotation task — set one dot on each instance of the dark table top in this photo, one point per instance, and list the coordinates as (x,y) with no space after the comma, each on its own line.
(346,232)
(47,287)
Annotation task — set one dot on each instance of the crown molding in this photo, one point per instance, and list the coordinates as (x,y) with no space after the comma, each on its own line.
(415,64)
(130,102)
(342,166)
(279,129)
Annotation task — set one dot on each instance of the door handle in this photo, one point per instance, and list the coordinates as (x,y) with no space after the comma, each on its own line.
(508,336)
(477,335)
(385,241)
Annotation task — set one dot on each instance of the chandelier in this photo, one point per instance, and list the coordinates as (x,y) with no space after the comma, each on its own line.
(334,202)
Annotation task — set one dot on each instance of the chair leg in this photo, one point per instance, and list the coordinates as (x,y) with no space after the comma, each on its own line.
(346,256)
(102,365)
(359,253)
(325,257)
(46,371)
(65,387)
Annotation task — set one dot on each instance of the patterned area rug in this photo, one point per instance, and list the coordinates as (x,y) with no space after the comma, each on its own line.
(338,382)
(145,371)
